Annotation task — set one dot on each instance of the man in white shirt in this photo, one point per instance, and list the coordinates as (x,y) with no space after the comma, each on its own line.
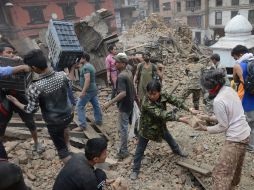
(229,112)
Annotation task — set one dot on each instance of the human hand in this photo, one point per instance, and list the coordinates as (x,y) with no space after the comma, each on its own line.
(12,99)
(193,111)
(119,184)
(26,68)
(106,106)
(17,58)
(203,117)
(110,181)
(184,119)
(197,124)
(82,94)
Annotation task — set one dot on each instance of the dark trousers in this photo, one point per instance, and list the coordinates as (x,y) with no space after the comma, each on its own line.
(11,177)
(196,93)
(27,118)
(71,96)
(3,153)
(56,133)
(141,147)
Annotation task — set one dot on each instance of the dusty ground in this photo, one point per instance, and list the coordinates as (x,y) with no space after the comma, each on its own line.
(158,170)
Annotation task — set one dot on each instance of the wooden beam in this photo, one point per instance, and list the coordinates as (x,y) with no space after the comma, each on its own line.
(17,122)
(200,181)
(200,170)
(89,132)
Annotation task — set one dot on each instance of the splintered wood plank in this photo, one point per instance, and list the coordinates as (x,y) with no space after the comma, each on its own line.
(89,132)
(77,142)
(76,150)
(194,168)
(21,134)
(200,181)
(17,122)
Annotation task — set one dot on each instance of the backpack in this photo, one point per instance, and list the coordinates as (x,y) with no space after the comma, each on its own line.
(249,80)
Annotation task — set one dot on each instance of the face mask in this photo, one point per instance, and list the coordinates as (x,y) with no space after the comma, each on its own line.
(213,92)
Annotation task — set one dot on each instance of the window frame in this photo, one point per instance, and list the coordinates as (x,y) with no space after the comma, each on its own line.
(251,20)
(233,14)
(65,6)
(36,10)
(235,2)
(166,8)
(217,4)
(192,5)
(194,21)
(216,19)
(178,7)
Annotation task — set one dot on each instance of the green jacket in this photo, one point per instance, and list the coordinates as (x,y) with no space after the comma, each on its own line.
(154,116)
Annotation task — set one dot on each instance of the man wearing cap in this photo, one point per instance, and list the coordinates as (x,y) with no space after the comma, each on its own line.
(124,99)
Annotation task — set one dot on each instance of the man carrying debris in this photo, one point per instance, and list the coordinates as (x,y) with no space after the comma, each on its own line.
(50,93)
(240,74)
(154,116)
(7,71)
(79,173)
(231,120)
(88,93)
(125,100)
(111,69)
(8,51)
(193,71)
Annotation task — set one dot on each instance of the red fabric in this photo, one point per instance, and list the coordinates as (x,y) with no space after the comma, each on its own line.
(215,90)
(3,110)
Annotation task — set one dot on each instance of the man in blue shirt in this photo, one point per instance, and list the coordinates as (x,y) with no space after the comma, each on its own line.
(241,55)
(6,71)
(12,177)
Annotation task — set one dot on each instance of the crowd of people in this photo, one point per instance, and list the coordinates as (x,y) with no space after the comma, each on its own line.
(231,113)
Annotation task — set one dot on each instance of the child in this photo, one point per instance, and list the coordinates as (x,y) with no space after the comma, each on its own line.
(154,116)
(50,93)
(228,110)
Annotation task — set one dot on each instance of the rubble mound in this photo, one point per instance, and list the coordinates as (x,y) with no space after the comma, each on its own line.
(175,38)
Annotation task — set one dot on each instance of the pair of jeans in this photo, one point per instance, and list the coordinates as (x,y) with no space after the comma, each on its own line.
(81,108)
(123,120)
(141,147)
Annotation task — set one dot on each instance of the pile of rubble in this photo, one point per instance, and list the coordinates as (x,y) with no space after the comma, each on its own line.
(167,44)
